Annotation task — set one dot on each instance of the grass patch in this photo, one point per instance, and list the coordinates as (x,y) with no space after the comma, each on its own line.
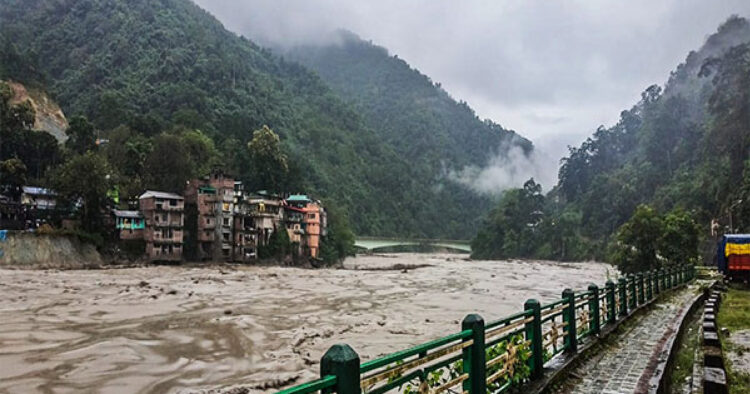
(685,356)
(734,314)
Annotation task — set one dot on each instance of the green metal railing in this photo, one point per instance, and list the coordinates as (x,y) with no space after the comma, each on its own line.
(498,355)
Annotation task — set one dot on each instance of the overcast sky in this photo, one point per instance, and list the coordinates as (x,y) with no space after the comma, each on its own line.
(551,70)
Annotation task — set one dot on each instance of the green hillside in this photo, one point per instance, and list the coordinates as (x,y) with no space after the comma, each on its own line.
(156,65)
(682,148)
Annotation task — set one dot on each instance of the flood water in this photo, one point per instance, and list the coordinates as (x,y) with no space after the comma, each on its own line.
(196,329)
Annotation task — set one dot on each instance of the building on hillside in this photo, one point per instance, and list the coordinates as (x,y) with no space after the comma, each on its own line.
(164,221)
(130,225)
(210,208)
(38,198)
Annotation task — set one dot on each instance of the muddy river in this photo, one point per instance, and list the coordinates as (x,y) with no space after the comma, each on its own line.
(208,329)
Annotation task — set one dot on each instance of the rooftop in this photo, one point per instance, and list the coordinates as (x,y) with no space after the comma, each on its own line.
(127,214)
(38,191)
(157,194)
(298,198)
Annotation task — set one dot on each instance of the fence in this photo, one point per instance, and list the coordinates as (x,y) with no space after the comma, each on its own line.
(493,357)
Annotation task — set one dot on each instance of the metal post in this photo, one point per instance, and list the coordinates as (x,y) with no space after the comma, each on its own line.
(641,294)
(594,324)
(569,317)
(631,290)
(656,282)
(473,356)
(622,283)
(669,277)
(649,285)
(343,362)
(534,335)
(611,306)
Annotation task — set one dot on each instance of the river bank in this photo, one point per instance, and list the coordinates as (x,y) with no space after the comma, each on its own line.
(186,329)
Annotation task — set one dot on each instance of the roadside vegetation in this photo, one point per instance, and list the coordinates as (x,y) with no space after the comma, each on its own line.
(734,315)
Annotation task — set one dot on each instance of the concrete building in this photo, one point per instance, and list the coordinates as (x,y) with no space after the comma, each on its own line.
(210,209)
(164,223)
(313,223)
(130,225)
(38,198)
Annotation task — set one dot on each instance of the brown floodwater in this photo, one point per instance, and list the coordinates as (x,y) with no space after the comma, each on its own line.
(199,329)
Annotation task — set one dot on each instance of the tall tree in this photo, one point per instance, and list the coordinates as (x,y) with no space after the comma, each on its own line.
(81,135)
(269,161)
(85,179)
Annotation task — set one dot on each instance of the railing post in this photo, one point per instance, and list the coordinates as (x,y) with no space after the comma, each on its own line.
(534,335)
(622,283)
(631,290)
(669,277)
(649,285)
(611,306)
(641,294)
(343,362)
(594,324)
(569,317)
(473,356)
(656,282)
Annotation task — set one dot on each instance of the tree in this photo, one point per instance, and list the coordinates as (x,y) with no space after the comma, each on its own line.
(678,243)
(85,179)
(636,242)
(339,241)
(12,176)
(167,166)
(81,135)
(269,162)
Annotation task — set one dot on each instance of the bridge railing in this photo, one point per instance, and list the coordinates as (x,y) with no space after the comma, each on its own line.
(498,355)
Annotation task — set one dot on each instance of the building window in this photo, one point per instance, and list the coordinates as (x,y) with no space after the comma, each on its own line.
(172,203)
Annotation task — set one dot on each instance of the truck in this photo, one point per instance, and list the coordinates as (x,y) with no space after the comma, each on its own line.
(733,256)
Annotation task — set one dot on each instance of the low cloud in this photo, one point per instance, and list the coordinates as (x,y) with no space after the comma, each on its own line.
(508,169)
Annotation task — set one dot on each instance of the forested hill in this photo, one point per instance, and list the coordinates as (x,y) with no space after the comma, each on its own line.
(682,150)
(157,66)
(417,118)
(401,104)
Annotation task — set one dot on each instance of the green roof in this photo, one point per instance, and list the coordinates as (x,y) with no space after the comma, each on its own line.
(298,198)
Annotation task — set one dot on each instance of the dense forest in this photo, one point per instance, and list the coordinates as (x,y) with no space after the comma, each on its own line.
(165,79)
(675,161)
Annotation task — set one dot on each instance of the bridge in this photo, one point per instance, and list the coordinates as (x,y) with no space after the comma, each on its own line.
(375,243)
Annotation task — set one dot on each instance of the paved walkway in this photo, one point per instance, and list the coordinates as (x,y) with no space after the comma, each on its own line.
(627,364)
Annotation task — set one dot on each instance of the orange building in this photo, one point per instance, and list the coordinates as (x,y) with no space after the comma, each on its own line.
(313,222)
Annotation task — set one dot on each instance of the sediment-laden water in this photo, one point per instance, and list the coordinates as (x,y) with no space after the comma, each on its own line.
(193,329)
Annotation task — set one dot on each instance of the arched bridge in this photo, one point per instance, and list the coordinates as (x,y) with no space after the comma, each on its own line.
(375,243)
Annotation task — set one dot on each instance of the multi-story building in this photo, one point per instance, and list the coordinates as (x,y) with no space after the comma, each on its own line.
(210,218)
(313,221)
(129,224)
(163,233)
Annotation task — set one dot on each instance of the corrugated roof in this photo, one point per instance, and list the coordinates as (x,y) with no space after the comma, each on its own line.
(157,194)
(38,191)
(298,198)
(127,214)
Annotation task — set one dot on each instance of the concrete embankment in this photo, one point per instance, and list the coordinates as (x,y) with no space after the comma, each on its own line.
(36,251)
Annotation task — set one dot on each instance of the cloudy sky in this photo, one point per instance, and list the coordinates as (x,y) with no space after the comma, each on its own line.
(551,70)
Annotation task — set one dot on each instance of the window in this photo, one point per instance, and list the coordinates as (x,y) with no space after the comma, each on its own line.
(172,203)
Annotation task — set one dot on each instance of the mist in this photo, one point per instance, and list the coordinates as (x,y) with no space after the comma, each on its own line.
(510,168)
(553,71)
